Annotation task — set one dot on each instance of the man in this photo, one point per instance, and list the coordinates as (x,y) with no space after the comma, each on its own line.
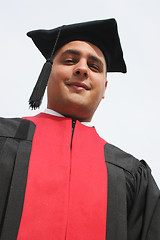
(58,178)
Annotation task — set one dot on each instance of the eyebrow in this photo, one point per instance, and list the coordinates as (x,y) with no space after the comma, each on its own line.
(77,53)
(71,51)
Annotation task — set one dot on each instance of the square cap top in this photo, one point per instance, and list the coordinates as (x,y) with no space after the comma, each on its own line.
(101,33)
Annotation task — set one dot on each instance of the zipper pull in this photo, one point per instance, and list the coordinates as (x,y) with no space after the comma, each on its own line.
(73,125)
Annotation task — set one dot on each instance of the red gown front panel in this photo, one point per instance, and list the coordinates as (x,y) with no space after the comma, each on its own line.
(66,192)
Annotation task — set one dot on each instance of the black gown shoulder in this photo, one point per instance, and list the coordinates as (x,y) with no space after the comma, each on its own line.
(16,136)
(141,192)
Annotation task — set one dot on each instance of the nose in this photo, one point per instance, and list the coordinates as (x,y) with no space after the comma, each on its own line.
(81,70)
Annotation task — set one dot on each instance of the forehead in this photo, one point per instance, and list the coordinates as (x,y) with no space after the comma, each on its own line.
(83,47)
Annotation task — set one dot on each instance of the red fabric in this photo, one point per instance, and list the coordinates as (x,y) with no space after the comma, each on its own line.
(66,192)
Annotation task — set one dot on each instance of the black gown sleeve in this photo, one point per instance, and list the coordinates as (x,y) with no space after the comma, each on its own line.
(8,148)
(15,146)
(143,201)
(133,208)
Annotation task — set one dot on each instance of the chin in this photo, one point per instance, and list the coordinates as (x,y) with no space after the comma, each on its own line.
(80,114)
(81,110)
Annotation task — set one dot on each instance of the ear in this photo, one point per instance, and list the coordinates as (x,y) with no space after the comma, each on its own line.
(105,89)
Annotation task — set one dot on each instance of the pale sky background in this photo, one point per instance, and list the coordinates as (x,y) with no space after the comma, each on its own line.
(129,116)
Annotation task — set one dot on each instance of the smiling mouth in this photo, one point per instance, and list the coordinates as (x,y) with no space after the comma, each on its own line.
(78,86)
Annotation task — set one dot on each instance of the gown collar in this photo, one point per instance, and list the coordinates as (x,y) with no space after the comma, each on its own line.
(54,113)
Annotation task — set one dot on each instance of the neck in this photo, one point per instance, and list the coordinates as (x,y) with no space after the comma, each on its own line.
(75,117)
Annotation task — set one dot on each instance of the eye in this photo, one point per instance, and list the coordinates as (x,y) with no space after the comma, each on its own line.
(94,67)
(69,61)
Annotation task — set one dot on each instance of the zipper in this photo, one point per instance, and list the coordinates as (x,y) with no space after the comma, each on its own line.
(73,127)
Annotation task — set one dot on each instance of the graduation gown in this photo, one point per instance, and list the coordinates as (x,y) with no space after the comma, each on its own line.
(133,198)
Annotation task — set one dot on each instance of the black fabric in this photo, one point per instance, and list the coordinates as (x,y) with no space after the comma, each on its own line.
(17,192)
(153,231)
(102,33)
(8,127)
(7,161)
(2,142)
(16,136)
(18,128)
(142,195)
(116,227)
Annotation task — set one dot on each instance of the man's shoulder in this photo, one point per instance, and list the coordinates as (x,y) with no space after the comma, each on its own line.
(16,128)
(122,159)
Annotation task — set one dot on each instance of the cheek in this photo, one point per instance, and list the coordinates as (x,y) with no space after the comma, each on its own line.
(99,85)
(60,73)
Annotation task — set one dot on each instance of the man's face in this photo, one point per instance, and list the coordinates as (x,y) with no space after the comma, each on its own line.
(78,80)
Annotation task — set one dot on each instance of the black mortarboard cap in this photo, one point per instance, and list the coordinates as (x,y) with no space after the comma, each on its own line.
(101,33)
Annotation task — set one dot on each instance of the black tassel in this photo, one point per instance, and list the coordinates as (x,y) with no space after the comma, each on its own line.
(39,89)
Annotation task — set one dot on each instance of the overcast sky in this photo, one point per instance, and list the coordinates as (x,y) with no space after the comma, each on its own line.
(129,116)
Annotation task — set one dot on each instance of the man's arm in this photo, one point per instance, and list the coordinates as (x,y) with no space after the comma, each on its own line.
(133,199)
